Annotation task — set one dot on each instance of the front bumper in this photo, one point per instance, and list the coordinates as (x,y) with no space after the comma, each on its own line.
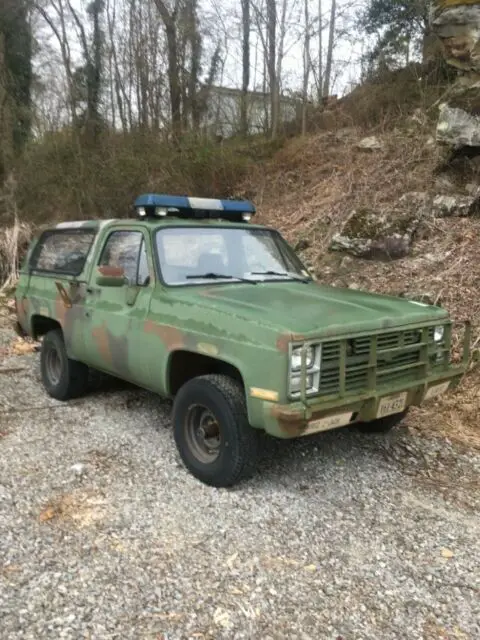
(293,420)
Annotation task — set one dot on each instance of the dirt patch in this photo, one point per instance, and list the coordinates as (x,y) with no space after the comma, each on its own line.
(80,509)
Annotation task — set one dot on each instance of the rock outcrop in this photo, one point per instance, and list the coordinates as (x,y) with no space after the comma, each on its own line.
(390,235)
(457,24)
(377,236)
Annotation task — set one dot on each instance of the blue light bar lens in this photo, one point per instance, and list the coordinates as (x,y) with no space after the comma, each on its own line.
(189,205)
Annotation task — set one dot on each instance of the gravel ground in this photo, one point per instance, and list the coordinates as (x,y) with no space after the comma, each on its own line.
(103,534)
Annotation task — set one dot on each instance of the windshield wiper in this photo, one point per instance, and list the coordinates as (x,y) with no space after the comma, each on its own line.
(219,276)
(292,276)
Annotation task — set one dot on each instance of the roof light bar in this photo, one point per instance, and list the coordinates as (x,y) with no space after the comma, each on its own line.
(164,205)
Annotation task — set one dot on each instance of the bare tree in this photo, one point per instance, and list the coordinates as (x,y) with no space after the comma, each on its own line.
(170,19)
(271,64)
(320,52)
(246,28)
(58,27)
(331,39)
(306,66)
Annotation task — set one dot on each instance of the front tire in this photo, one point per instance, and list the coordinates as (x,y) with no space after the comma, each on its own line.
(382,425)
(62,377)
(212,433)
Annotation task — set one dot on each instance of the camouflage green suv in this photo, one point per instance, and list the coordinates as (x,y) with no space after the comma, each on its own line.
(192,301)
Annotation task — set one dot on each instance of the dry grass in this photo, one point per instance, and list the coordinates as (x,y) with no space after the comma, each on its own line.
(312,186)
(13,241)
(14,237)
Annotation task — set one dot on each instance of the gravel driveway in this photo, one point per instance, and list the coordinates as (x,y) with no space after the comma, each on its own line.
(339,536)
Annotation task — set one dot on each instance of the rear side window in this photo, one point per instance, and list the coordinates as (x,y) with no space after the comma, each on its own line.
(63,252)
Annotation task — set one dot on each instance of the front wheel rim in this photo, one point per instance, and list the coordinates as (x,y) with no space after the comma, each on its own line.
(53,366)
(203,434)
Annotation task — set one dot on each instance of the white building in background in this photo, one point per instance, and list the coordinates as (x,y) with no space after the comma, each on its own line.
(222,115)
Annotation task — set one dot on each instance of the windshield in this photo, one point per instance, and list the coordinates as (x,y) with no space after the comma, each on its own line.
(194,255)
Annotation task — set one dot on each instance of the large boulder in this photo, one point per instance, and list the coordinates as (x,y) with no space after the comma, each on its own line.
(377,236)
(457,24)
(458,128)
(458,206)
(372,143)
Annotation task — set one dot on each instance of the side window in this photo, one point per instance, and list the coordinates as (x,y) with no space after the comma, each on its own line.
(63,252)
(126,249)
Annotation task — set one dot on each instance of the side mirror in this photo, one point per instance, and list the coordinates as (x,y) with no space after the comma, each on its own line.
(110,277)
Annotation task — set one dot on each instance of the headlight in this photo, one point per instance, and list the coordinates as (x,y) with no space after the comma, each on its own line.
(296,362)
(313,356)
(296,383)
(439,334)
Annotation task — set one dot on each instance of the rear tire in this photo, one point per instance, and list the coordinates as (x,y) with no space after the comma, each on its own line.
(62,377)
(382,425)
(212,433)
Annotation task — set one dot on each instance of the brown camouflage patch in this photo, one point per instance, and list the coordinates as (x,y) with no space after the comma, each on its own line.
(284,340)
(112,272)
(100,335)
(171,337)
(113,349)
(67,302)
(291,421)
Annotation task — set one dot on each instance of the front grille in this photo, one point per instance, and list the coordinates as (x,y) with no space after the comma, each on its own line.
(375,361)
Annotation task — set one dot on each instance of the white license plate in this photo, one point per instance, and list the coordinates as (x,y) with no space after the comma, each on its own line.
(437,390)
(391,405)
(328,423)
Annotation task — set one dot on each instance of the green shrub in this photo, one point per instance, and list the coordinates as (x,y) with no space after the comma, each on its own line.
(59,178)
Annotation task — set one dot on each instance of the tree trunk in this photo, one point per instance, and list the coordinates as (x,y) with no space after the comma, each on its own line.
(196,53)
(246,24)
(95,84)
(281,51)
(306,67)
(169,21)
(17,38)
(271,64)
(331,39)
(320,52)
(61,36)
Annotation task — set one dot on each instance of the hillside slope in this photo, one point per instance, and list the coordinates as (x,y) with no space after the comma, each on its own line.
(312,186)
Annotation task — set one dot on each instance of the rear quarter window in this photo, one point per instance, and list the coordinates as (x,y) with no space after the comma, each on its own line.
(62,252)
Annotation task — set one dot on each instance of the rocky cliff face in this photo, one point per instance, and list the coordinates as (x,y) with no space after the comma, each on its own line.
(457,24)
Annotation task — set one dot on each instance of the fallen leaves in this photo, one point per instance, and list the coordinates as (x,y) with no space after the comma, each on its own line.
(222,618)
(447,553)
(23,347)
(231,561)
(79,508)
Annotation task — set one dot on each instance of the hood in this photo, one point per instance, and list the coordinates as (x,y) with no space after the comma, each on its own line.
(313,310)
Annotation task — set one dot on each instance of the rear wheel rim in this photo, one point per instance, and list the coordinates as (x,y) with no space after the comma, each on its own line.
(53,366)
(203,434)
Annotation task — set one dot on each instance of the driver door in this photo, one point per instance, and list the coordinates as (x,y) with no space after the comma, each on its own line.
(115,337)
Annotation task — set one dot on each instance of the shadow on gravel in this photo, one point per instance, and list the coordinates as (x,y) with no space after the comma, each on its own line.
(322,453)
(278,459)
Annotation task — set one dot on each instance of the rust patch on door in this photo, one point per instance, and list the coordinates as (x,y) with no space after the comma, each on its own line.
(171,337)
(65,298)
(111,272)
(101,337)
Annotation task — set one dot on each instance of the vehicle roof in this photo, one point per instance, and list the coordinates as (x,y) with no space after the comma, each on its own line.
(170,221)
